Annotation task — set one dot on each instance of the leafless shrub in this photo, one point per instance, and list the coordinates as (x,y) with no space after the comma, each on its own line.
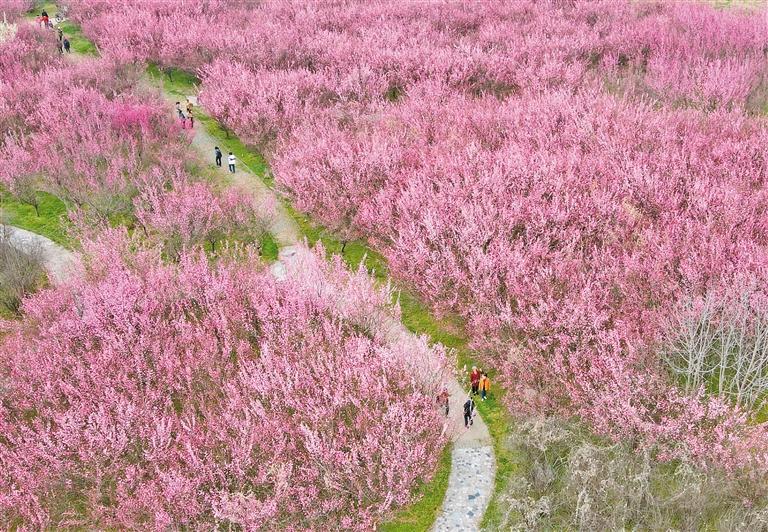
(722,345)
(21,272)
(574,481)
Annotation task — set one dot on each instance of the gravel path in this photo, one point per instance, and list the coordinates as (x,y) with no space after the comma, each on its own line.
(283,226)
(56,260)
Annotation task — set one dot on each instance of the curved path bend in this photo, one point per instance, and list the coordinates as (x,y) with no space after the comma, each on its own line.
(57,261)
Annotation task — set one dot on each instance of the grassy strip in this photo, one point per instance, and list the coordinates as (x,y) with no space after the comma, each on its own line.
(49,223)
(429,499)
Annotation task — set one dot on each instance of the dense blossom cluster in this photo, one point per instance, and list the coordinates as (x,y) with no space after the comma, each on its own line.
(148,395)
(559,173)
(163,387)
(10,9)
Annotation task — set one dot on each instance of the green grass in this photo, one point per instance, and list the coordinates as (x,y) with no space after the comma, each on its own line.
(50,223)
(422,514)
(269,248)
(174,81)
(79,44)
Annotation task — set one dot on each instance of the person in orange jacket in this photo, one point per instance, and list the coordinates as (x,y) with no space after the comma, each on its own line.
(485,385)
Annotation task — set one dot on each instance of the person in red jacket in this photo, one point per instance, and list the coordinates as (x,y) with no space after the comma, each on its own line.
(474,379)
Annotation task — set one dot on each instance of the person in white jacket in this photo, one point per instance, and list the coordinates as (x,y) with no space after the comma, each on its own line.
(231,160)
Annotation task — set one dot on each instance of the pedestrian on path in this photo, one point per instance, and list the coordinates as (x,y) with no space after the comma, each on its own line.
(231,160)
(474,379)
(469,410)
(217,153)
(189,115)
(182,118)
(485,385)
(65,42)
(442,401)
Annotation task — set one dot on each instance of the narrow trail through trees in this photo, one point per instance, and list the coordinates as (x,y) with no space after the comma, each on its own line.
(473,466)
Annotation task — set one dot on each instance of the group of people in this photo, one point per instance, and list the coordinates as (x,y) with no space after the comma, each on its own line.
(63,43)
(480,384)
(230,159)
(188,117)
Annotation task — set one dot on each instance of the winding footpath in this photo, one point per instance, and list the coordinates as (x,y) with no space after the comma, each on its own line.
(473,466)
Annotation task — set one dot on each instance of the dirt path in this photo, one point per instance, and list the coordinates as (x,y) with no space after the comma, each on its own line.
(473,466)
(283,227)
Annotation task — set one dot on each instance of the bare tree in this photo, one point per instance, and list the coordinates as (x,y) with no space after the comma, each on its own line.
(722,345)
(21,272)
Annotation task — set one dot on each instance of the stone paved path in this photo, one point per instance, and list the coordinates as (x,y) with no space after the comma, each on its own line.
(473,468)
(56,260)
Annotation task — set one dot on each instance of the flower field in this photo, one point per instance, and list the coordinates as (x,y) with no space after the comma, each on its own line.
(563,175)
(172,380)
(581,182)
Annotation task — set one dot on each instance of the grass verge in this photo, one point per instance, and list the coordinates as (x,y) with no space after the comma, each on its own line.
(429,499)
(50,222)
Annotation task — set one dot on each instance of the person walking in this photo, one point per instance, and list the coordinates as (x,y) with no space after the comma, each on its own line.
(189,115)
(182,118)
(442,400)
(469,409)
(485,385)
(217,153)
(231,160)
(66,45)
(474,379)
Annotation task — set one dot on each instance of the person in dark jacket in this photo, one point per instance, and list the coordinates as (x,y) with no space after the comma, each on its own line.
(217,153)
(469,410)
